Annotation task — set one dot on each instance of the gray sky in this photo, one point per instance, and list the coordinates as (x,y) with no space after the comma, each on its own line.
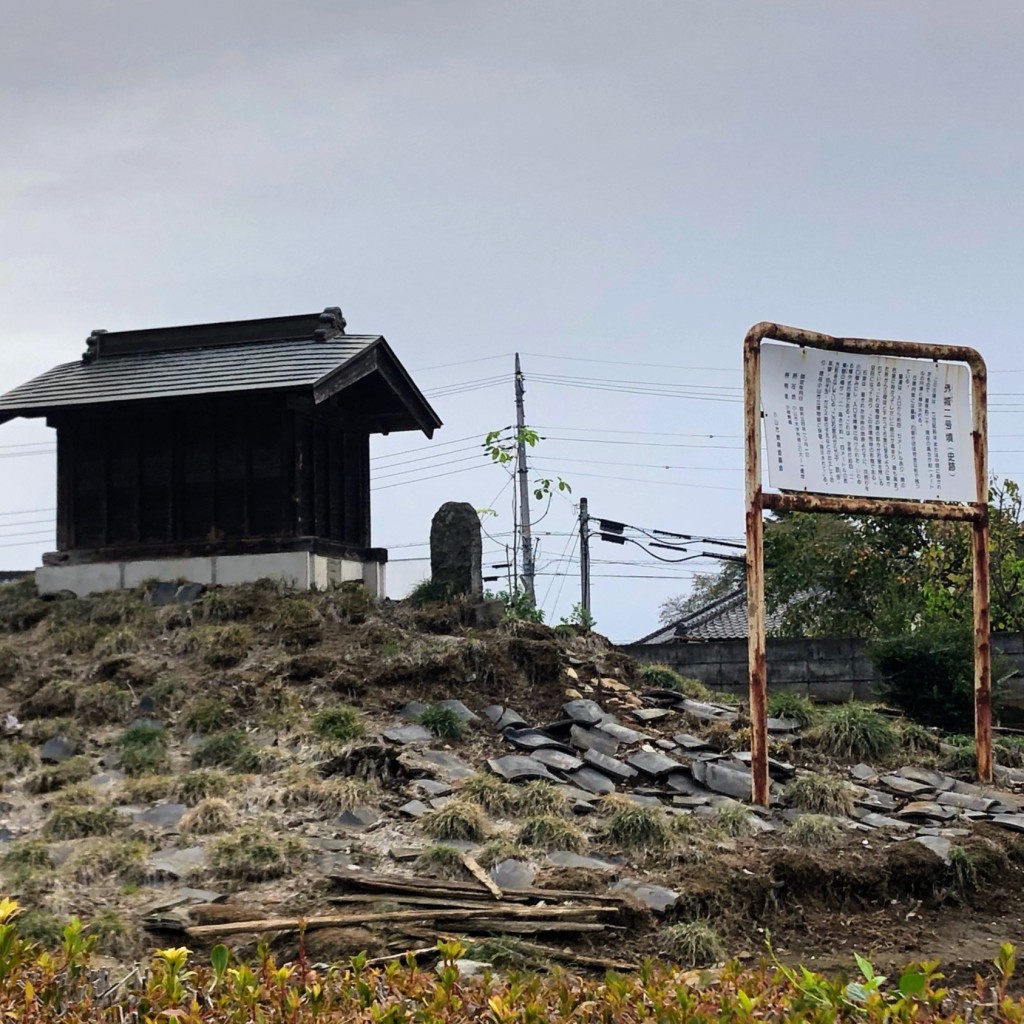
(615,189)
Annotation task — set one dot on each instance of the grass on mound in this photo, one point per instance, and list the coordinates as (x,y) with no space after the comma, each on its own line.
(637,829)
(551,832)
(340,722)
(72,822)
(661,677)
(856,732)
(795,707)
(693,944)
(201,784)
(443,722)
(254,853)
(441,861)
(207,817)
(459,820)
(816,830)
(819,793)
(143,750)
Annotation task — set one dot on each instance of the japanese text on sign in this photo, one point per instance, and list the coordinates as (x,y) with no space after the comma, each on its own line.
(865,425)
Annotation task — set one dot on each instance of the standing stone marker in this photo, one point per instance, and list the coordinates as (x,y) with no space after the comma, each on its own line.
(455,548)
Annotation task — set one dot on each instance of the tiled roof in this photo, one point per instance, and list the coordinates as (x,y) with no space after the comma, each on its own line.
(723,619)
(308,351)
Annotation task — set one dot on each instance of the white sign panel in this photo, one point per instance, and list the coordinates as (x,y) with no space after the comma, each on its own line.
(866,425)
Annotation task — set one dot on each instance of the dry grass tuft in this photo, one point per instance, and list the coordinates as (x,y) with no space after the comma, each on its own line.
(254,853)
(440,861)
(817,830)
(458,819)
(818,793)
(71,822)
(207,817)
(101,856)
(551,833)
(693,944)
(637,829)
(493,794)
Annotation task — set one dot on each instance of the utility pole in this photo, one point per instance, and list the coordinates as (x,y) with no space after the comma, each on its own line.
(584,556)
(524,490)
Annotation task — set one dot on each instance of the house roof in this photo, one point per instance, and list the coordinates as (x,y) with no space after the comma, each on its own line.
(722,619)
(298,353)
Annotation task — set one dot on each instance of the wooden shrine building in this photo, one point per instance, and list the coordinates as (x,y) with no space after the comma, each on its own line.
(220,453)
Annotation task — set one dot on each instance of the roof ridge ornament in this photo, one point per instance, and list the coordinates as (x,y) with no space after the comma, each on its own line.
(332,323)
(92,345)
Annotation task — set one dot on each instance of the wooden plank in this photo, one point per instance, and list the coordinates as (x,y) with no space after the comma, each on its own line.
(280,924)
(441,902)
(414,884)
(481,876)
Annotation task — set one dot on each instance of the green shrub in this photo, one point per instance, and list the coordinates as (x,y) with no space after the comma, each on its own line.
(25,859)
(16,756)
(41,927)
(10,663)
(929,673)
(145,789)
(443,722)
(793,706)
(918,739)
(143,749)
(102,703)
(856,732)
(661,677)
(340,722)
(297,622)
(96,858)
(819,793)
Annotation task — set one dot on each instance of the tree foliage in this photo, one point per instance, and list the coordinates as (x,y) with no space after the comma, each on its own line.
(706,587)
(874,577)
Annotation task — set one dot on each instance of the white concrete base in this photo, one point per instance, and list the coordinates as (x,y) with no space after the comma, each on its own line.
(300,570)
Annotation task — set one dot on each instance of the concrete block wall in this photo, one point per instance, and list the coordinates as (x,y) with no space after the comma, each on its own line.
(828,669)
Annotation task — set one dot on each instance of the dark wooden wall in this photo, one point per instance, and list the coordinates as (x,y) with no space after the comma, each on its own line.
(209,471)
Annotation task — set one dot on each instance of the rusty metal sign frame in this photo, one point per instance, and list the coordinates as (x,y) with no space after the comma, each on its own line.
(975,513)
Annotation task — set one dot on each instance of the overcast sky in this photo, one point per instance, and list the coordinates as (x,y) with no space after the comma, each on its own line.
(617,190)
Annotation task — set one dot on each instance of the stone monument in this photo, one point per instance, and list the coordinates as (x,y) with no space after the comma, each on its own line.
(456,550)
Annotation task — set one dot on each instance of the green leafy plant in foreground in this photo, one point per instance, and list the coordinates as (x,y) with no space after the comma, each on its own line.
(44,987)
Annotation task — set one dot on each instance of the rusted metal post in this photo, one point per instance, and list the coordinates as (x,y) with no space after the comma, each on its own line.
(755,568)
(979,549)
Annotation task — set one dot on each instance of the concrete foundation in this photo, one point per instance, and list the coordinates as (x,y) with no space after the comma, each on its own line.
(300,570)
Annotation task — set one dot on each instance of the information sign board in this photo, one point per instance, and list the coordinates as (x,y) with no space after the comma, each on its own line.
(867,425)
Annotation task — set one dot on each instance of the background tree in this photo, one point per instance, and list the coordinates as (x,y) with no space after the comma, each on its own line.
(706,587)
